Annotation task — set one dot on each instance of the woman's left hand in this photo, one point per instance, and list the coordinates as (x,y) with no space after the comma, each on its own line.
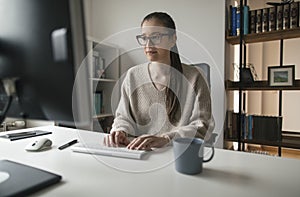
(146,142)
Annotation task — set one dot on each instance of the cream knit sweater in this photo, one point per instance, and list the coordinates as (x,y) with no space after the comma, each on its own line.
(141,109)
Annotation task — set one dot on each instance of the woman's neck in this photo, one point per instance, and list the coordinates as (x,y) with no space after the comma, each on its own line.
(158,68)
(159,74)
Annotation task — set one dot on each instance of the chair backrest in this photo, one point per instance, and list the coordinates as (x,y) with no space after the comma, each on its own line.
(206,71)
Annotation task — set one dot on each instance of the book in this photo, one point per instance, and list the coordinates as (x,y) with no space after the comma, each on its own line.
(238,21)
(265,19)
(246,19)
(252,21)
(234,129)
(294,19)
(267,128)
(250,127)
(98,103)
(228,133)
(233,20)
(272,18)
(244,126)
(286,16)
(254,127)
(259,21)
(279,18)
(26,134)
(228,24)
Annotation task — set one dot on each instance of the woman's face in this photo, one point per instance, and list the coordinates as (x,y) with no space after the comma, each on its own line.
(158,41)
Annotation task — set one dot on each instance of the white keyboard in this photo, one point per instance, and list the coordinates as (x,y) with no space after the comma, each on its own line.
(99,149)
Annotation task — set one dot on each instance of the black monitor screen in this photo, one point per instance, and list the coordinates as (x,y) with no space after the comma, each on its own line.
(42,45)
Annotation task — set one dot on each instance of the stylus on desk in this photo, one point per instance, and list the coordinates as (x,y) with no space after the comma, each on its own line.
(67,144)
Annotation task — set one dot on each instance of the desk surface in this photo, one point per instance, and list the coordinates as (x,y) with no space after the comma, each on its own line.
(228,174)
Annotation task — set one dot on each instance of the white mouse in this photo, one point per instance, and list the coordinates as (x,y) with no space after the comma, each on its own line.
(39,144)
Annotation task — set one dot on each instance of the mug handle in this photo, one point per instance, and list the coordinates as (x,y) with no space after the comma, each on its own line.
(211,156)
(210,143)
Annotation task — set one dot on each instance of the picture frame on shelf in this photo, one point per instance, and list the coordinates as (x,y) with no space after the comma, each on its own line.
(281,75)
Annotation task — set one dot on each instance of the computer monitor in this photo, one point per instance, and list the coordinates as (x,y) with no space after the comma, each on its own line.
(42,46)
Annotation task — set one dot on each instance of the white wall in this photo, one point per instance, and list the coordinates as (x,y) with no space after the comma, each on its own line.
(201,37)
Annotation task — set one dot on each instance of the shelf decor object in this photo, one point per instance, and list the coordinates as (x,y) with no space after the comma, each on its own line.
(246,75)
(281,75)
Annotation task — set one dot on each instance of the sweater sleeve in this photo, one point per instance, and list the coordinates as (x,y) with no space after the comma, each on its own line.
(200,122)
(123,120)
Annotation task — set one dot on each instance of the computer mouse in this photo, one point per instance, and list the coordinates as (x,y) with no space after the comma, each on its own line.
(39,144)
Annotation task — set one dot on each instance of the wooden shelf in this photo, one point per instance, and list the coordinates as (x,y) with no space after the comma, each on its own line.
(287,142)
(253,141)
(266,36)
(259,85)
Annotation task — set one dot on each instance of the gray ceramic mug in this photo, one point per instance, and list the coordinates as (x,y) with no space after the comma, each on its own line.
(188,153)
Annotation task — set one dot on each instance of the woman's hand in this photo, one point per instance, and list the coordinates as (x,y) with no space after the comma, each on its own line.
(116,138)
(146,142)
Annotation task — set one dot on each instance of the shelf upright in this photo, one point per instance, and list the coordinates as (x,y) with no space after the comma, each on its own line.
(280,94)
(241,108)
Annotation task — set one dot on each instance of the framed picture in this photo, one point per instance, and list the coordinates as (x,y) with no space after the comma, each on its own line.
(281,75)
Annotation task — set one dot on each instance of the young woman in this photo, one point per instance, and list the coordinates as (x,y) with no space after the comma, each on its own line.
(162,99)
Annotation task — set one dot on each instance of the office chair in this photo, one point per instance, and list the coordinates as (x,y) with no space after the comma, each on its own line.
(206,71)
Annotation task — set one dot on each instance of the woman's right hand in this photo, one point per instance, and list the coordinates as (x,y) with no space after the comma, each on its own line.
(116,138)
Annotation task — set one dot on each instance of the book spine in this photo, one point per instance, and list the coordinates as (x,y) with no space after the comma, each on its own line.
(279,124)
(294,15)
(279,18)
(235,119)
(286,16)
(228,12)
(259,21)
(229,124)
(246,19)
(250,127)
(272,19)
(266,128)
(233,21)
(243,118)
(238,21)
(98,102)
(265,19)
(246,128)
(252,21)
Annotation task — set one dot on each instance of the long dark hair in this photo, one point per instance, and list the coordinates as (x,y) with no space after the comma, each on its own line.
(172,102)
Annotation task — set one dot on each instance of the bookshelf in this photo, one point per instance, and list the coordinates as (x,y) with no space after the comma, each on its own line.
(265,36)
(258,85)
(105,72)
(286,139)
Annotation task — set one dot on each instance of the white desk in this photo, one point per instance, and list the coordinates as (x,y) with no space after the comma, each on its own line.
(228,174)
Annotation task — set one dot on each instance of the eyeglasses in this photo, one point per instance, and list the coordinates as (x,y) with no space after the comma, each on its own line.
(155,39)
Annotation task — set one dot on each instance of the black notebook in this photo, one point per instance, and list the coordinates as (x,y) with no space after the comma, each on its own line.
(24,134)
(17,179)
